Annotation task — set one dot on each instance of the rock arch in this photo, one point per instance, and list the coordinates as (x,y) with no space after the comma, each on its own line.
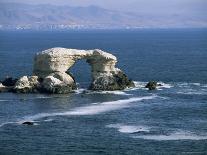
(51,66)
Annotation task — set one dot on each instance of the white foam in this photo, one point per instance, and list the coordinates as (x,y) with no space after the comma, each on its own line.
(106,106)
(44,97)
(204,86)
(185,84)
(48,120)
(128,128)
(115,92)
(174,136)
(2,124)
(4,100)
(196,84)
(164,85)
(93,109)
(80,91)
(192,92)
(141,85)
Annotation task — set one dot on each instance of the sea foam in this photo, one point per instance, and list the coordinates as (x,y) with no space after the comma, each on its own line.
(129,128)
(92,109)
(181,135)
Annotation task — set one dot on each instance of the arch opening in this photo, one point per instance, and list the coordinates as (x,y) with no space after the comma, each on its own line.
(81,72)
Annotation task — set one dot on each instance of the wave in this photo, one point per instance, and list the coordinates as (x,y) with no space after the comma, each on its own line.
(80,91)
(5,123)
(141,85)
(165,85)
(129,128)
(112,92)
(189,84)
(4,100)
(93,109)
(181,135)
(192,92)
(85,91)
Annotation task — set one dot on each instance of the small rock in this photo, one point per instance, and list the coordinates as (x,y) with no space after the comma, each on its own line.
(9,81)
(152,85)
(28,123)
(159,85)
(27,84)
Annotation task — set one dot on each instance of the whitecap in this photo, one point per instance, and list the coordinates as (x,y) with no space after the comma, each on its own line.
(164,85)
(80,91)
(139,84)
(196,84)
(192,92)
(129,128)
(109,92)
(181,135)
(5,123)
(48,120)
(204,86)
(85,91)
(4,100)
(44,97)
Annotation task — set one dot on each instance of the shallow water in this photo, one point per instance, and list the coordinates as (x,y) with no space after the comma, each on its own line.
(169,120)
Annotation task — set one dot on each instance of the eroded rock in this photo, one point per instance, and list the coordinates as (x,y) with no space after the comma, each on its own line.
(51,65)
(152,85)
(51,72)
(58,84)
(27,84)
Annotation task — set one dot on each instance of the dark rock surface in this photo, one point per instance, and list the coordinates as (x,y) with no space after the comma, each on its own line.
(152,85)
(9,81)
(28,123)
(118,81)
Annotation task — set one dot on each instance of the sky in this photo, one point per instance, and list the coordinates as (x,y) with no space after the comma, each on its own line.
(195,7)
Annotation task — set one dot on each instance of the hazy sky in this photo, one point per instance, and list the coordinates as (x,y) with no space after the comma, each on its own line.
(151,6)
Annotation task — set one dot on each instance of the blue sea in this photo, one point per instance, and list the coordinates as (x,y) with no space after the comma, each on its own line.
(170,120)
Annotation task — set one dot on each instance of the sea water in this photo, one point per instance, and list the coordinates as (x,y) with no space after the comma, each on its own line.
(169,120)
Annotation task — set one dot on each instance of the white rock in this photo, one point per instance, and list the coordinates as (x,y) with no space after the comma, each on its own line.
(51,65)
(27,84)
(62,59)
(1,85)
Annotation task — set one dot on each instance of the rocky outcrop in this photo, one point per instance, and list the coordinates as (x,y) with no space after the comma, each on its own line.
(51,73)
(58,83)
(51,66)
(27,84)
(9,82)
(28,123)
(152,85)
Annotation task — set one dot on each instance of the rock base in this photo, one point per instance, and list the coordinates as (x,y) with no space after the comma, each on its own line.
(51,73)
(111,82)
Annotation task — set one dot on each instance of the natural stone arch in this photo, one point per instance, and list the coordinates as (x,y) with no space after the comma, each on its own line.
(51,66)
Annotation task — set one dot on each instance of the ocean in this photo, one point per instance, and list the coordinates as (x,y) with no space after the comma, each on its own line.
(135,121)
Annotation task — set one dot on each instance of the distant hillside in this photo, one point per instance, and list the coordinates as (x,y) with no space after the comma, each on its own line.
(15,15)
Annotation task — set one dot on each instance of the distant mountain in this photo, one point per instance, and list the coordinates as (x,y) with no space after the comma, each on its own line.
(25,16)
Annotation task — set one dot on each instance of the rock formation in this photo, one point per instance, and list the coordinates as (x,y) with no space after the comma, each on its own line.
(27,85)
(51,66)
(51,72)
(152,85)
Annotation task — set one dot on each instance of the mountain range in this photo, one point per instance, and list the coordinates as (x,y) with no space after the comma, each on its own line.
(43,16)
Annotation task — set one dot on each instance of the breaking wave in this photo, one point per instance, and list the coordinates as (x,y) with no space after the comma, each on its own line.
(181,135)
(129,128)
(93,109)
(85,91)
